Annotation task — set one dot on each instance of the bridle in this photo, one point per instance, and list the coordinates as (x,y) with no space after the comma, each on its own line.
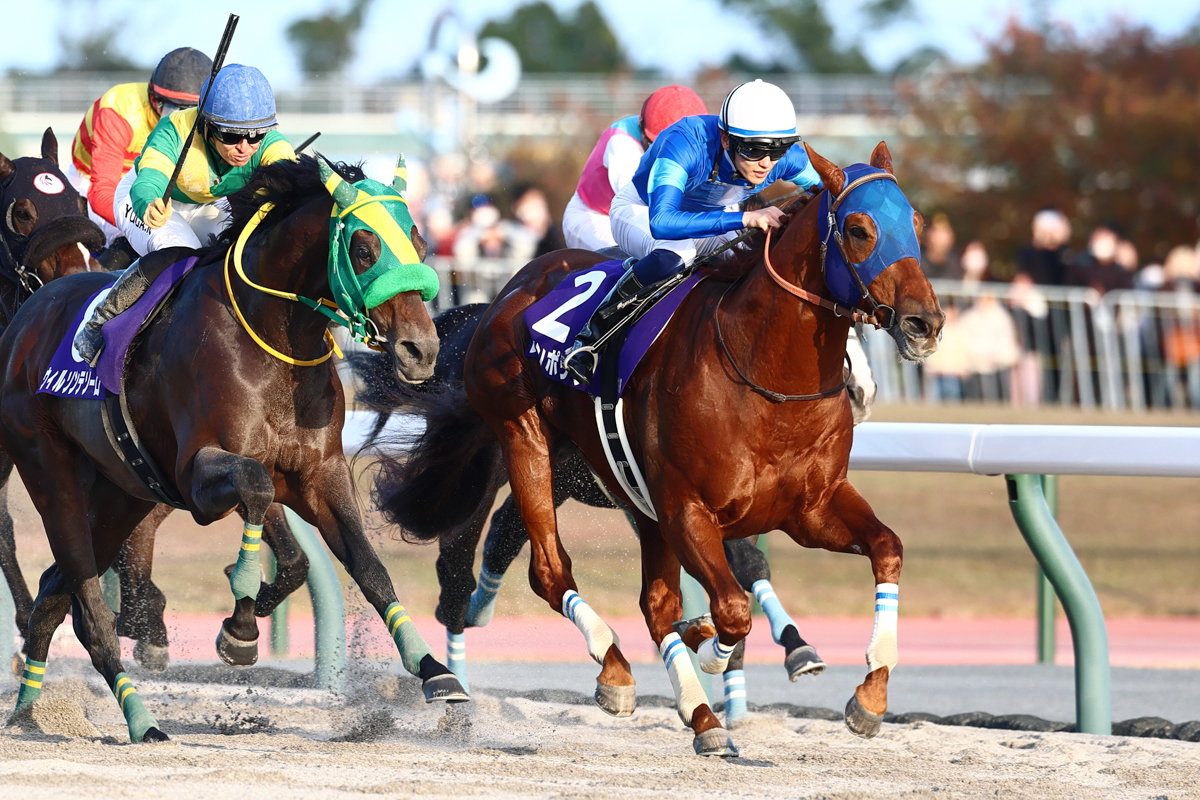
(857,316)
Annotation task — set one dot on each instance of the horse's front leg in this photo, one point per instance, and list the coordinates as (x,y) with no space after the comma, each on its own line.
(222,480)
(291,565)
(143,603)
(846,524)
(661,606)
(329,502)
(526,446)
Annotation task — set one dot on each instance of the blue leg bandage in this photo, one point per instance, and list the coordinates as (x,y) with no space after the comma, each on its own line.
(779,619)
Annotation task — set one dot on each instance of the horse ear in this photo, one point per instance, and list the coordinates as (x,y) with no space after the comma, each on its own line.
(50,146)
(400,181)
(343,193)
(831,174)
(7,167)
(882,159)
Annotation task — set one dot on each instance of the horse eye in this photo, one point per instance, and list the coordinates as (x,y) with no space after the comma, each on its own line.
(858,232)
(21,213)
(363,252)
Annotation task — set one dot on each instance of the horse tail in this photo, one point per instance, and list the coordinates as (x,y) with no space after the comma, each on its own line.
(451,469)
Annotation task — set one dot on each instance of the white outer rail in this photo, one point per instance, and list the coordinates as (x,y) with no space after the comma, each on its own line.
(1130,451)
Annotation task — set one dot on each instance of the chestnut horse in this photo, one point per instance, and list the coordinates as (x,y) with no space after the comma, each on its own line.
(231,425)
(724,455)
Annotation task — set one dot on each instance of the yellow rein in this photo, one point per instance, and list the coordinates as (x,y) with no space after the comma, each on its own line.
(236,250)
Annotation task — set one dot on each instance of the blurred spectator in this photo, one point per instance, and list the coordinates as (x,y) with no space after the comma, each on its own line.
(938,259)
(1031,315)
(1150,278)
(1097,267)
(486,235)
(1045,259)
(529,207)
(975,263)
(1127,256)
(1182,269)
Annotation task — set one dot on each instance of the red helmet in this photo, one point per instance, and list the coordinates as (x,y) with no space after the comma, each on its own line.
(666,107)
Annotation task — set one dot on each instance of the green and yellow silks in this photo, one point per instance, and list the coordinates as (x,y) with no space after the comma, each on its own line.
(383,210)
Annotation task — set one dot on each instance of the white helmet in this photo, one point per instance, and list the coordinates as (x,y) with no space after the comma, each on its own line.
(759,110)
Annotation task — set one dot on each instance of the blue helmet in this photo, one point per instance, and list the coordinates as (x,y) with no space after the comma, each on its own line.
(241,101)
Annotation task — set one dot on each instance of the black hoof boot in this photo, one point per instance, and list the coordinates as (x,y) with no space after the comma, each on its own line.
(439,683)
(803,661)
(234,651)
(153,736)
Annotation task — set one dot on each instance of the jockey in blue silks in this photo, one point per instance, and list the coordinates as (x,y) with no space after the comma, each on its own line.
(685,199)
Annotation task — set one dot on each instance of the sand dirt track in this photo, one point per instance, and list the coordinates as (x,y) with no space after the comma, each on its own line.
(244,742)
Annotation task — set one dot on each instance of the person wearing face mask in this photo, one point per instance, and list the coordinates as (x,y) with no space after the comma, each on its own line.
(685,200)
(115,127)
(235,136)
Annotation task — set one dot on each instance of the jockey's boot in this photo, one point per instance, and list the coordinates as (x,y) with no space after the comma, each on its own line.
(581,361)
(132,284)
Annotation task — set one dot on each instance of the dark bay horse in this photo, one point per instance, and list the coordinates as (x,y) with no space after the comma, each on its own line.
(233,426)
(723,456)
(46,235)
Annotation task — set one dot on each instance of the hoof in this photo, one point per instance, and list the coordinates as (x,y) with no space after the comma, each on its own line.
(715,742)
(444,687)
(803,661)
(154,735)
(862,723)
(151,657)
(703,625)
(620,701)
(235,652)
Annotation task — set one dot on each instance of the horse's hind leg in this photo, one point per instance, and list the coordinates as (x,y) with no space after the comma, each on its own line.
(753,573)
(455,573)
(222,481)
(49,611)
(848,525)
(22,600)
(143,603)
(661,605)
(291,565)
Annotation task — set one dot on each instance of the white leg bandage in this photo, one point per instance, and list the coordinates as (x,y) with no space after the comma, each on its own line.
(598,635)
(689,695)
(714,656)
(883,652)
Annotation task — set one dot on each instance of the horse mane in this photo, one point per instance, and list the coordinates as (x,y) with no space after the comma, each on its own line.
(744,256)
(288,184)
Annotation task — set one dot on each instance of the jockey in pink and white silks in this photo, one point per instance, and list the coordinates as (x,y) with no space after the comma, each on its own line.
(614,160)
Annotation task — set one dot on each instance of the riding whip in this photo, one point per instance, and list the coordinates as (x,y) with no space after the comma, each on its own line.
(307,142)
(218,62)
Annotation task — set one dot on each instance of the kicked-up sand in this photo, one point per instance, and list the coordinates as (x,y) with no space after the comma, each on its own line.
(267,736)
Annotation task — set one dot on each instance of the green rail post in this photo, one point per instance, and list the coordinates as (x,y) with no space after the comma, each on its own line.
(329,610)
(279,617)
(1047,601)
(695,604)
(110,584)
(1089,636)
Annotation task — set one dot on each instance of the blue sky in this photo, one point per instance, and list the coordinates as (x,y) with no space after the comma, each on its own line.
(699,31)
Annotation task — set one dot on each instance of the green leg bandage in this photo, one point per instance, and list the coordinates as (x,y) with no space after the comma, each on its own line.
(31,682)
(246,577)
(404,633)
(136,715)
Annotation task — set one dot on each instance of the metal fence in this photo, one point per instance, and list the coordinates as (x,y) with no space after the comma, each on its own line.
(1041,345)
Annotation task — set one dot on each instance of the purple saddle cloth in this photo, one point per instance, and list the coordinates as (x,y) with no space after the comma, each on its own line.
(557,318)
(69,375)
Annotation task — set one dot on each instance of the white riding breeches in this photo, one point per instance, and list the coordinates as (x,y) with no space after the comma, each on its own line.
(189,226)
(631,229)
(584,228)
(83,184)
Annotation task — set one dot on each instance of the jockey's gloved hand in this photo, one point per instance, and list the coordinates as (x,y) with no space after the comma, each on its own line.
(763,218)
(157,213)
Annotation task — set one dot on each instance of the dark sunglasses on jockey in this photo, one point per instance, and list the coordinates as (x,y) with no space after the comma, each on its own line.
(757,149)
(231,138)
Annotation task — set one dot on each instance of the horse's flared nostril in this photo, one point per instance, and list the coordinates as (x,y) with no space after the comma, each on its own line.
(916,327)
(411,351)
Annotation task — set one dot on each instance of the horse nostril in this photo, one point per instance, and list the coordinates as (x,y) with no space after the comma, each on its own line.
(411,350)
(916,327)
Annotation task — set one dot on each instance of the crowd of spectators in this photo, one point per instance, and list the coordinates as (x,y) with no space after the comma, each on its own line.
(1016,343)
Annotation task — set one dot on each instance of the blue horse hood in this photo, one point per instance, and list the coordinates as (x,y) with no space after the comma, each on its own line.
(889,209)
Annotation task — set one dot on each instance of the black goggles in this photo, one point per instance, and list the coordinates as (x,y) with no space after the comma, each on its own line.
(758,149)
(231,138)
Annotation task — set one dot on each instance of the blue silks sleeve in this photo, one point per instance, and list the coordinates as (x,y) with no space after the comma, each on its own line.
(681,161)
(796,168)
